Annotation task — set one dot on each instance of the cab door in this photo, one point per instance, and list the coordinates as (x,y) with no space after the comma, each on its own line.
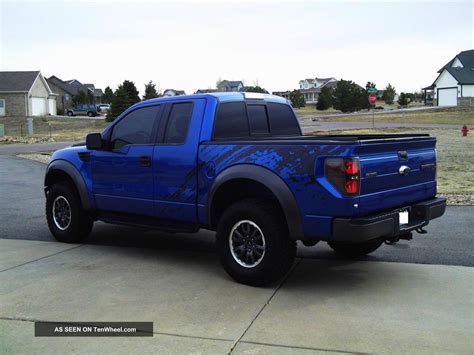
(175,161)
(123,174)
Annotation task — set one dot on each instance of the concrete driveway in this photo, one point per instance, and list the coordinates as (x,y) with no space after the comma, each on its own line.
(325,304)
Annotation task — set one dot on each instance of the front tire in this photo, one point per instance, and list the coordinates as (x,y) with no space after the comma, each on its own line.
(70,114)
(253,242)
(356,250)
(90,114)
(67,220)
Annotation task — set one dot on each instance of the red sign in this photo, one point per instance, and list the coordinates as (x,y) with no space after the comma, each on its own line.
(372,99)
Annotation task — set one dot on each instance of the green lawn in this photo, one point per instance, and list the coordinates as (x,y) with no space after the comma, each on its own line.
(455,157)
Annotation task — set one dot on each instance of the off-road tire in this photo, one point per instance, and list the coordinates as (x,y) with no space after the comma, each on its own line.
(80,222)
(279,252)
(356,250)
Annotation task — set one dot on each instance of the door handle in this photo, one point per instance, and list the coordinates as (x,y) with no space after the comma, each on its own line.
(145,161)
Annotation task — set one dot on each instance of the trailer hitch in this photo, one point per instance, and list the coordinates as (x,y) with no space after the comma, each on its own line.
(396,239)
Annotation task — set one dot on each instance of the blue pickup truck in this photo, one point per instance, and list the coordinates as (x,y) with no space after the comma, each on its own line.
(238,164)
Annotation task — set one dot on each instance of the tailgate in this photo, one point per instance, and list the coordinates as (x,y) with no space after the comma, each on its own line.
(396,172)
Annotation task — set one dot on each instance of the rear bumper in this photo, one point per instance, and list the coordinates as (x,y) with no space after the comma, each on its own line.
(387,224)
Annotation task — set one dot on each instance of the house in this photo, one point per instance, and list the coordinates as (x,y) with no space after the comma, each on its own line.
(230,86)
(285,94)
(173,92)
(205,91)
(69,88)
(65,91)
(25,93)
(455,82)
(96,93)
(310,88)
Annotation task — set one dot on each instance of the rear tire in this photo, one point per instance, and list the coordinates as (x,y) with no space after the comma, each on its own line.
(70,114)
(67,220)
(355,250)
(253,242)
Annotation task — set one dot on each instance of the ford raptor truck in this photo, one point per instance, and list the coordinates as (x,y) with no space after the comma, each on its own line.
(238,164)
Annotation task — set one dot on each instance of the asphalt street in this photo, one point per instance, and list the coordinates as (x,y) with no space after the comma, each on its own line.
(449,240)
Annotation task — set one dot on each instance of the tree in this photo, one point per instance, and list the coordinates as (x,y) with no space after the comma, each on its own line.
(349,97)
(297,99)
(125,96)
(150,91)
(82,98)
(389,94)
(403,99)
(254,89)
(324,99)
(107,96)
(370,85)
(132,92)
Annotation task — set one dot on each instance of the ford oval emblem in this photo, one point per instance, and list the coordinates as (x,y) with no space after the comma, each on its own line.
(404,170)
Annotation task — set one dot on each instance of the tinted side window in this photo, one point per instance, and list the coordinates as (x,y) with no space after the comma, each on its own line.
(282,120)
(135,128)
(231,120)
(258,119)
(178,123)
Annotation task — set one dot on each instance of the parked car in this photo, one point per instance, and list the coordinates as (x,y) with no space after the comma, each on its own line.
(238,164)
(83,110)
(103,107)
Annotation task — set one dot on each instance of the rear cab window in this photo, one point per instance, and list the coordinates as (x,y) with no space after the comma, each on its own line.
(253,118)
(178,123)
(231,120)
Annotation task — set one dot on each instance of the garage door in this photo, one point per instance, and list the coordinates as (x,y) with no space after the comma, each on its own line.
(52,107)
(448,97)
(38,106)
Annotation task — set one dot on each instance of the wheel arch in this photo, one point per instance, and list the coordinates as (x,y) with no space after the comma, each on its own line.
(267,183)
(61,170)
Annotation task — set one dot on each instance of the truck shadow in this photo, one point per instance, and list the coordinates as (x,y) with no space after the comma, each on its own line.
(319,267)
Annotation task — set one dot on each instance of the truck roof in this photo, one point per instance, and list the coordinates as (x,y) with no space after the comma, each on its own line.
(220,96)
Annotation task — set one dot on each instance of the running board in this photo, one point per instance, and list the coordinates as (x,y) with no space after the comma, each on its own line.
(148,222)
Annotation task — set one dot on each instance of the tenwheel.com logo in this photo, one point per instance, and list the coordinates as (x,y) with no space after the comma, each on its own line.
(94,329)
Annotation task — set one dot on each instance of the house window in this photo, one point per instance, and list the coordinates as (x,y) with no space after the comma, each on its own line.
(2,103)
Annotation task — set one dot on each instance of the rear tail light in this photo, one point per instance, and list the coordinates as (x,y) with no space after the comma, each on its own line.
(344,175)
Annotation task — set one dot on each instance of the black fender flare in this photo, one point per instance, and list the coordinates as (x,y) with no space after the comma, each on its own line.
(273,182)
(76,177)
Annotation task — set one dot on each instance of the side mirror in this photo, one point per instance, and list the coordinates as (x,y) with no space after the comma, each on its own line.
(94,141)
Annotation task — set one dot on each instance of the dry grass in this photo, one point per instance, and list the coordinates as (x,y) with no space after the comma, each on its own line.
(310,110)
(455,157)
(457,116)
(62,129)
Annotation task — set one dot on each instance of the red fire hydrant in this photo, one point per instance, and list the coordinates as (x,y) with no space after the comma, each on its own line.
(464,130)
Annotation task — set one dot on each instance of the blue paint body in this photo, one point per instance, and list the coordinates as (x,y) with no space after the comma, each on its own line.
(177,185)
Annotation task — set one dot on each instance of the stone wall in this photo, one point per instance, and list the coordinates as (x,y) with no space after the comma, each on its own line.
(466,101)
(14,104)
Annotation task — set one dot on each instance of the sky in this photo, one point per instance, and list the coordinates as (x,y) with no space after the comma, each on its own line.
(188,45)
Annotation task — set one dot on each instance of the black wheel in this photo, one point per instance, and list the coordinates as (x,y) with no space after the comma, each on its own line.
(67,221)
(90,114)
(253,242)
(69,113)
(354,250)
